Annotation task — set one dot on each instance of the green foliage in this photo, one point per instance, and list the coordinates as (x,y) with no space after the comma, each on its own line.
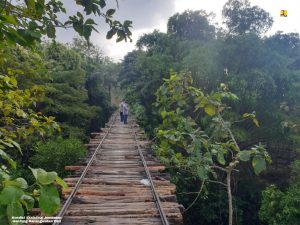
(18,120)
(25,22)
(65,95)
(206,154)
(61,152)
(148,123)
(240,17)
(191,25)
(263,72)
(280,208)
(30,83)
(201,61)
(49,194)
(100,83)
(17,197)
(295,175)
(139,66)
(52,85)
(183,143)
(100,76)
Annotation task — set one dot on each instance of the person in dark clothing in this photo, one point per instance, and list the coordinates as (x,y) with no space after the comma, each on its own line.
(121,106)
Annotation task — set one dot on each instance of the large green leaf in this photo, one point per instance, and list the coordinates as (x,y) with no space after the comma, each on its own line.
(19,183)
(259,164)
(61,182)
(6,157)
(3,216)
(111,33)
(34,172)
(44,177)
(10,194)
(110,12)
(245,155)
(49,201)
(14,209)
(202,173)
(9,19)
(220,158)
(87,30)
(22,182)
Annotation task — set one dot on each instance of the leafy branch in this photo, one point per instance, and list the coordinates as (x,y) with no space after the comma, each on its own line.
(182,141)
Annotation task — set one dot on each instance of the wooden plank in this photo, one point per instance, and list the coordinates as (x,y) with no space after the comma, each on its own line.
(112,193)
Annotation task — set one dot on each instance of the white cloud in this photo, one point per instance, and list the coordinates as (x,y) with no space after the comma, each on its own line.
(117,51)
(286,24)
(208,5)
(148,15)
(214,6)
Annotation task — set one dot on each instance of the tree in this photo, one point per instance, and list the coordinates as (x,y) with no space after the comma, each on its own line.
(240,17)
(66,97)
(139,66)
(91,55)
(99,85)
(191,25)
(19,122)
(157,42)
(205,153)
(24,22)
(262,71)
(100,73)
(202,60)
(284,43)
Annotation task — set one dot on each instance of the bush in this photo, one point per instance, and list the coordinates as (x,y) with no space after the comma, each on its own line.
(147,120)
(54,155)
(280,208)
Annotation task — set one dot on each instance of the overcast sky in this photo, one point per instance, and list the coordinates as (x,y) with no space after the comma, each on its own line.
(148,15)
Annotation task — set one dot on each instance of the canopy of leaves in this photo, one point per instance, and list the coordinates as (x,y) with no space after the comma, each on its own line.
(181,141)
(240,17)
(191,25)
(53,83)
(263,72)
(27,21)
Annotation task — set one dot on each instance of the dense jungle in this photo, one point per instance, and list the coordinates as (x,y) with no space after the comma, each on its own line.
(221,105)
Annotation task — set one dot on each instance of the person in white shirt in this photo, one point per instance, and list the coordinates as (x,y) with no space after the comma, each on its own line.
(125,112)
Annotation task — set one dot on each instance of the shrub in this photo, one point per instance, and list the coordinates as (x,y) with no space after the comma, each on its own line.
(54,155)
(280,208)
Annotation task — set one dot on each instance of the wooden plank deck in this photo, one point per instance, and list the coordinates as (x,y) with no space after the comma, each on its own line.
(112,192)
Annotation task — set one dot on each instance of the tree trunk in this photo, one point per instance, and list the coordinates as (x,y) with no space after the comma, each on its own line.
(230,209)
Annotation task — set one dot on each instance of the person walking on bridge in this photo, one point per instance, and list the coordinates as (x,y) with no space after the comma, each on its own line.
(125,112)
(121,109)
